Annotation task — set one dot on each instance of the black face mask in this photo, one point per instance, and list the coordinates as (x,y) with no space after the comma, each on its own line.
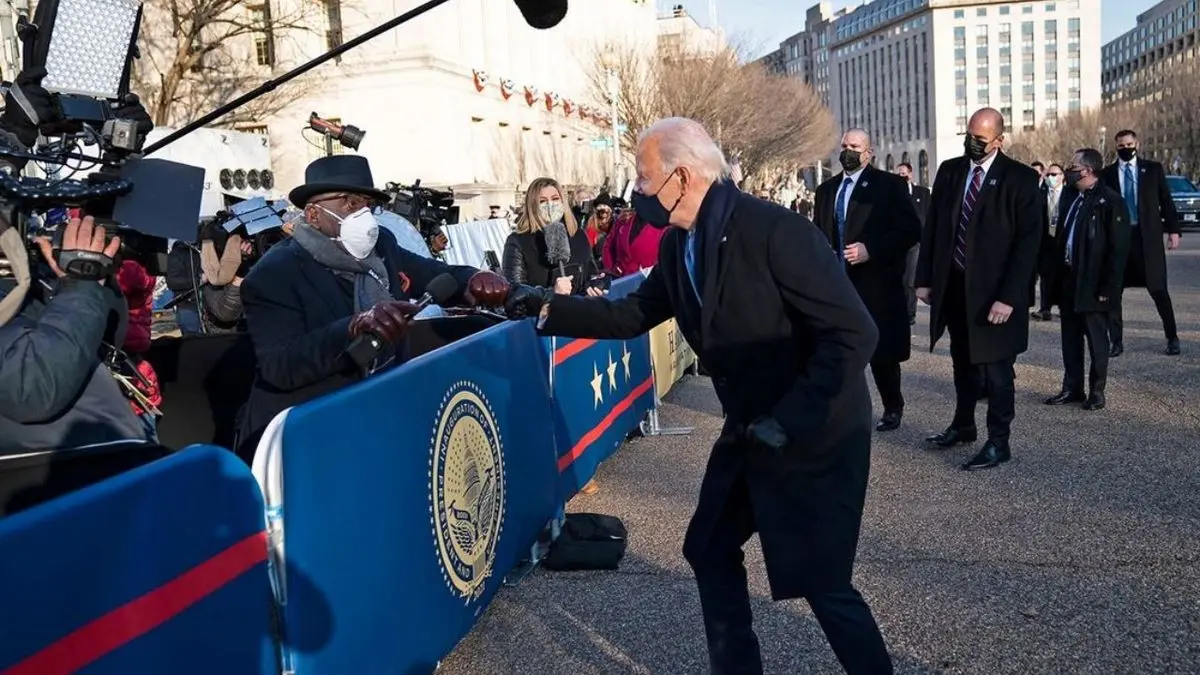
(851,160)
(1126,154)
(1073,177)
(975,148)
(650,209)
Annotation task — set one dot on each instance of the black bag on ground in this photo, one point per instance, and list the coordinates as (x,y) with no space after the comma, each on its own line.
(588,541)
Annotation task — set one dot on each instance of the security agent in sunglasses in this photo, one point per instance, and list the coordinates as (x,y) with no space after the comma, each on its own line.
(55,323)
(340,279)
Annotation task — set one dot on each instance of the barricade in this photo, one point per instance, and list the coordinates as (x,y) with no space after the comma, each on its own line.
(161,569)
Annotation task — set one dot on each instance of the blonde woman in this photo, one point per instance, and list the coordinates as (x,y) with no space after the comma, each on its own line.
(525,260)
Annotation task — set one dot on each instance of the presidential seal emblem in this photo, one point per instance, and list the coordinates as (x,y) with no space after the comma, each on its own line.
(466,477)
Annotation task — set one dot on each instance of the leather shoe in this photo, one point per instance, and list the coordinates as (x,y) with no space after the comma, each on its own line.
(1095,401)
(1041,315)
(953,436)
(992,455)
(890,420)
(1064,397)
(1173,347)
(1116,350)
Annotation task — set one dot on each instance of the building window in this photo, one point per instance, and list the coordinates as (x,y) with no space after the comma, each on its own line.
(333,33)
(923,165)
(1050,7)
(891,166)
(982,11)
(264,40)
(982,95)
(958,14)
(960,34)
(1051,27)
(1073,27)
(1027,9)
(1004,11)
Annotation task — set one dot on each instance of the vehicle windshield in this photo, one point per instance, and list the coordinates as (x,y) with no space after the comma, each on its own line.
(1180,184)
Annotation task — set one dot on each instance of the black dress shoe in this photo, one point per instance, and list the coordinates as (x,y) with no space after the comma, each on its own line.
(1116,350)
(992,455)
(1065,397)
(890,421)
(953,436)
(1041,315)
(1173,347)
(1095,401)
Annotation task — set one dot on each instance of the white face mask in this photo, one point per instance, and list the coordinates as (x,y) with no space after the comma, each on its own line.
(552,212)
(359,232)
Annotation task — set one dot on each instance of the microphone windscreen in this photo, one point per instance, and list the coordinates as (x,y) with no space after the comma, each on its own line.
(558,244)
(442,287)
(542,14)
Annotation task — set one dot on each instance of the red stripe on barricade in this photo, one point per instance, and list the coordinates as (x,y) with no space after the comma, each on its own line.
(571,349)
(598,430)
(142,615)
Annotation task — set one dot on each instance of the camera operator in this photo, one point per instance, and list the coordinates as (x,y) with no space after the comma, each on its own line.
(213,278)
(340,277)
(55,391)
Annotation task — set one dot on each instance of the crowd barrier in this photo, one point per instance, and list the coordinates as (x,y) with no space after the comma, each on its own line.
(395,510)
(161,569)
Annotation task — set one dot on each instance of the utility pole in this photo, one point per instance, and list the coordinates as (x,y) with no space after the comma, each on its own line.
(614,93)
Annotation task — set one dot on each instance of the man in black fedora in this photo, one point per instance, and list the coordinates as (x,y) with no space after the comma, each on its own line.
(338,277)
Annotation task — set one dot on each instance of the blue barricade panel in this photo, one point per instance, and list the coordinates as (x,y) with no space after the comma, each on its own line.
(408,497)
(602,389)
(158,570)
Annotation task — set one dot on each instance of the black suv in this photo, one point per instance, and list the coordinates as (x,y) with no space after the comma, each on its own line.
(1187,200)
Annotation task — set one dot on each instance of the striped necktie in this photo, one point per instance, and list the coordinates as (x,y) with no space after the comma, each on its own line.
(968,207)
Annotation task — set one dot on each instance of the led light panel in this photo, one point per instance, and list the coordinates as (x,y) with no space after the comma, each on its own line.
(89,46)
(255,214)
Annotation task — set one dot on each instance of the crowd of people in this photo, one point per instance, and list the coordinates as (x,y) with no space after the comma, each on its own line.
(785,314)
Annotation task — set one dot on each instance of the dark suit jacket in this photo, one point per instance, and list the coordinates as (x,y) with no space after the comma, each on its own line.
(298,315)
(1003,237)
(920,200)
(1101,243)
(782,332)
(1156,216)
(880,215)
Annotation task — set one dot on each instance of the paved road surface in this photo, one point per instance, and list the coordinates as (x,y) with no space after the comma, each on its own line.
(1082,555)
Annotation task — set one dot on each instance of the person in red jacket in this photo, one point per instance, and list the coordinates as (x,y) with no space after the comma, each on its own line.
(631,246)
(138,288)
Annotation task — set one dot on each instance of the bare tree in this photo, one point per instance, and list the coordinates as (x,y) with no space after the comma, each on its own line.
(1058,140)
(1172,133)
(198,54)
(769,122)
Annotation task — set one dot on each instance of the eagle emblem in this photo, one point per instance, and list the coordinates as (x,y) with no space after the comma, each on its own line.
(467,489)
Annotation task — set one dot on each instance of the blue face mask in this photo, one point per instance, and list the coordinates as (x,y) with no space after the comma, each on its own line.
(650,209)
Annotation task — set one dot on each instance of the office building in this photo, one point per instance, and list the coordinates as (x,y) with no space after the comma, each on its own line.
(1138,64)
(911,72)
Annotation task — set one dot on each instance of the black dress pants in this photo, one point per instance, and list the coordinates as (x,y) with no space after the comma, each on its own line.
(1047,261)
(1136,270)
(887,381)
(973,381)
(725,602)
(1076,328)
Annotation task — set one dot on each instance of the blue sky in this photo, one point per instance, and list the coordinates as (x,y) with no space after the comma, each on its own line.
(761,24)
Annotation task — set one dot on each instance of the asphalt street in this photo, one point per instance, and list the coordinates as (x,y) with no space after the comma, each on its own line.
(1081,555)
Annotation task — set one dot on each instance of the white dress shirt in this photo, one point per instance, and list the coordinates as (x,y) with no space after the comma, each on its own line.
(1132,164)
(850,188)
(1052,196)
(986,164)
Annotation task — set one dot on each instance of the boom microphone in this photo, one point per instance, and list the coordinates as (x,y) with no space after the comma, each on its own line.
(542,14)
(365,348)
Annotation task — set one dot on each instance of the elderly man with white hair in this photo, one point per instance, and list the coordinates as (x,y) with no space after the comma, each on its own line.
(762,299)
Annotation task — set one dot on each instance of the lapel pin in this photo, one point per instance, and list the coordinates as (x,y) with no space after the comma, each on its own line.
(723,239)
(992,181)
(864,183)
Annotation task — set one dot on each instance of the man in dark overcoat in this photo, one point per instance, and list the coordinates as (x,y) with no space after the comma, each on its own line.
(1142,184)
(919,196)
(766,305)
(1090,248)
(870,221)
(977,262)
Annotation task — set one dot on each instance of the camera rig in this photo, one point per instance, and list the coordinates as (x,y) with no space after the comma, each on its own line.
(426,208)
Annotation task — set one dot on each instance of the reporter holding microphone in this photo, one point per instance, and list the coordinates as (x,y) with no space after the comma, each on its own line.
(549,248)
(333,303)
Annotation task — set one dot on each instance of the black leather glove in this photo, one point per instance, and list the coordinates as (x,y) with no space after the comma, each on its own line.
(131,108)
(526,301)
(388,320)
(767,432)
(28,105)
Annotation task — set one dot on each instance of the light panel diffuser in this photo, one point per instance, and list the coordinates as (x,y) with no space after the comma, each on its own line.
(89,46)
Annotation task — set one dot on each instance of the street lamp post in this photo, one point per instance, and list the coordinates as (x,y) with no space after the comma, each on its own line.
(613,85)
(1103,139)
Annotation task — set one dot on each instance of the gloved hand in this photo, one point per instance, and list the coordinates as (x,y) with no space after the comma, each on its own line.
(526,301)
(388,320)
(486,289)
(17,118)
(131,108)
(767,432)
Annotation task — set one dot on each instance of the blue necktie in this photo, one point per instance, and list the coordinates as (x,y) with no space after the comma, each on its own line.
(839,214)
(1130,195)
(689,261)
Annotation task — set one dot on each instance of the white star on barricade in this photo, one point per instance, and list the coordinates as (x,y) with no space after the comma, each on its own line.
(612,373)
(597,386)
(625,360)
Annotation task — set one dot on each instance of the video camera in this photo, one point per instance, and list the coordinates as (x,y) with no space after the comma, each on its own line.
(428,209)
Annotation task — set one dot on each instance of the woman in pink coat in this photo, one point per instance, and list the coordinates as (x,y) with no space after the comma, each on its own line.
(631,246)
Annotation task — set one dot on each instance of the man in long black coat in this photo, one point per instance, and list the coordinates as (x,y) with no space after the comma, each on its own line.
(919,196)
(977,261)
(871,224)
(1142,184)
(764,302)
(1090,248)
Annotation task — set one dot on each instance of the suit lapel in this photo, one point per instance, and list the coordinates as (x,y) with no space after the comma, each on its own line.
(993,180)
(716,243)
(1142,179)
(960,188)
(859,206)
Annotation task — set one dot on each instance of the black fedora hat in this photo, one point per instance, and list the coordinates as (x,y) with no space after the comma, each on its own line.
(337,173)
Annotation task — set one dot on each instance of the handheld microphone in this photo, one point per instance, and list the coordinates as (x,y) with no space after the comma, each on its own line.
(364,349)
(542,14)
(558,246)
